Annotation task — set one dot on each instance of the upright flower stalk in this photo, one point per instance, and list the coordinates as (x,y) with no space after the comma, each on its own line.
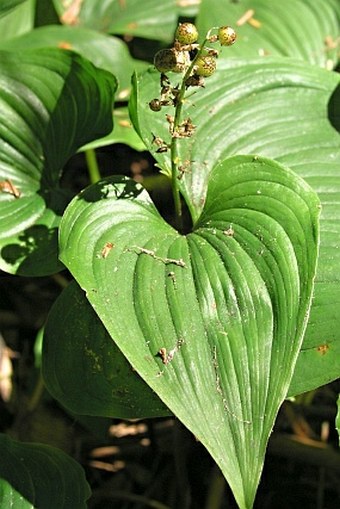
(195,62)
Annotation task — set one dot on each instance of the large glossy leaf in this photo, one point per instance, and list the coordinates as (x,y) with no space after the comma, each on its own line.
(36,475)
(303,29)
(106,52)
(51,103)
(150,19)
(85,370)
(280,109)
(213,321)
(18,21)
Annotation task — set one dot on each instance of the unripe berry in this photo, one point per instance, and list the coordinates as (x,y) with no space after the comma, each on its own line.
(155,105)
(205,66)
(165,60)
(226,36)
(186,33)
(171,60)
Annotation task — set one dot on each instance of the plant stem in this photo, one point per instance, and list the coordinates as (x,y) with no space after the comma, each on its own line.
(92,165)
(216,490)
(180,456)
(174,140)
(37,394)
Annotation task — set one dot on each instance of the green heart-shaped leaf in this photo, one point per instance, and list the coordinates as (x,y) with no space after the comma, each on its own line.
(213,321)
(280,109)
(51,103)
(304,29)
(84,369)
(36,475)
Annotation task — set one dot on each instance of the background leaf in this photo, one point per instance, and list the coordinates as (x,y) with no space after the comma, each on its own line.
(18,21)
(51,103)
(123,132)
(304,29)
(7,5)
(84,369)
(280,109)
(212,321)
(151,19)
(33,475)
(105,52)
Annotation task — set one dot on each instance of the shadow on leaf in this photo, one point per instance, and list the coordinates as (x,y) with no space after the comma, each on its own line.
(72,108)
(334,109)
(35,251)
(116,187)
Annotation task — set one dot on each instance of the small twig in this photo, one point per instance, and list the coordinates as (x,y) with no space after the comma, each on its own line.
(7,186)
(141,250)
(247,17)
(37,394)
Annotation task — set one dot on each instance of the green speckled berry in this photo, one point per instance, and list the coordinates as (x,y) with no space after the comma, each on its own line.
(155,105)
(165,60)
(226,36)
(205,66)
(186,33)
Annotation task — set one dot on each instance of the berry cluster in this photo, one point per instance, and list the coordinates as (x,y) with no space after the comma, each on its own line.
(187,54)
(196,62)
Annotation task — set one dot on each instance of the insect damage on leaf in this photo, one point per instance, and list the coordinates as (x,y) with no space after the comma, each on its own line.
(168,355)
(106,249)
(322,349)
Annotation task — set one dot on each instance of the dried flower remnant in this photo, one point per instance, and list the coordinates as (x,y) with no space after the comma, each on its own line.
(167,356)
(106,249)
(162,353)
(247,17)
(6,186)
(229,232)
